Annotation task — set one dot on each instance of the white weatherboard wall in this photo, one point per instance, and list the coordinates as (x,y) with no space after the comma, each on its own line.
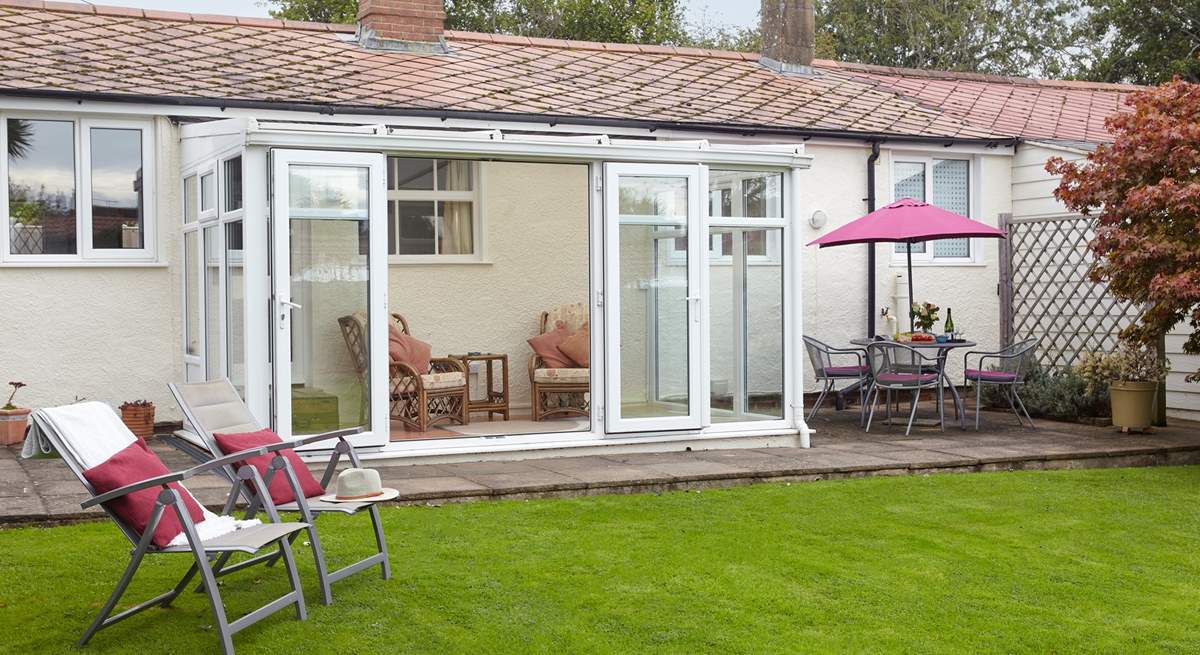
(102,333)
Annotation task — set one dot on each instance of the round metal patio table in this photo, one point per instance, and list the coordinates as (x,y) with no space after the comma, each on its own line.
(943,351)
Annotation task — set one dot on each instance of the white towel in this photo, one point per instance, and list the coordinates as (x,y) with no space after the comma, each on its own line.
(92,432)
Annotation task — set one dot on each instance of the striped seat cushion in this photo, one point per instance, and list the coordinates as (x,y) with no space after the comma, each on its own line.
(845,371)
(990,376)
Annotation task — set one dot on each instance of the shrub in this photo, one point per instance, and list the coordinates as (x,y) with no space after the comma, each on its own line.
(1055,394)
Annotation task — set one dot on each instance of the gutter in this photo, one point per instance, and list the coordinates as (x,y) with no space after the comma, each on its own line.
(551,119)
(872,159)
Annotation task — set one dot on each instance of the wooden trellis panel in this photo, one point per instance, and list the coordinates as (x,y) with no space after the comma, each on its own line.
(1046,294)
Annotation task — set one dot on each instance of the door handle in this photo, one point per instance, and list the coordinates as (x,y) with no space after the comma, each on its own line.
(290,305)
(695,314)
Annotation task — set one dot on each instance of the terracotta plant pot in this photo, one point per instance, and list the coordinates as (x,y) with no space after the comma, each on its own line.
(139,419)
(1133,404)
(12,425)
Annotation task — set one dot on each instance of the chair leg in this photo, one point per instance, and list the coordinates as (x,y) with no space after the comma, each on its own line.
(385,567)
(134,561)
(1009,396)
(941,400)
(820,399)
(978,402)
(913,413)
(1022,405)
(871,414)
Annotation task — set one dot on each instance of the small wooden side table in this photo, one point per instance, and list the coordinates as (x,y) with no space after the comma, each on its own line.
(494,400)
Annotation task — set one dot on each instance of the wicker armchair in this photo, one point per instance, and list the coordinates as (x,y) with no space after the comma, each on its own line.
(417,400)
(559,391)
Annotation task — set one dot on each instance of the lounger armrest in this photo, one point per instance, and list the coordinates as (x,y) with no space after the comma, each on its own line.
(157,481)
(303,441)
(231,458)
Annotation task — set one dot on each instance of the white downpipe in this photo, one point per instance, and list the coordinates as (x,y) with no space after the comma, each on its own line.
(901,299)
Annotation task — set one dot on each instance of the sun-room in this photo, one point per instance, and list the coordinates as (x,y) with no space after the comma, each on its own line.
(480,291)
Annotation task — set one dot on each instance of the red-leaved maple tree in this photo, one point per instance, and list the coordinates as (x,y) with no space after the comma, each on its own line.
(1144,190)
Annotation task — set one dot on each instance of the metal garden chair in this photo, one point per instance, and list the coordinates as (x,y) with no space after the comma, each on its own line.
(1008,371)
(61,426)
(216,408)
(896,367)
(821,355)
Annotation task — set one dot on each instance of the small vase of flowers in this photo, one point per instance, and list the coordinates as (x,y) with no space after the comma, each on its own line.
(13,419)
(924,315)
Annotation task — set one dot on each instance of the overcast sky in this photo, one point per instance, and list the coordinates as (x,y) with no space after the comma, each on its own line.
(717,12)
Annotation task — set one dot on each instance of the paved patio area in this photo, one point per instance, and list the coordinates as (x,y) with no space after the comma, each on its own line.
(44,490)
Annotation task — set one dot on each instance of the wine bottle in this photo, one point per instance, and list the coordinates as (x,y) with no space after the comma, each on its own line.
(949,322)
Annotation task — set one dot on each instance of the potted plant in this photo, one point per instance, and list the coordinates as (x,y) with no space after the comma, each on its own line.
(13,419)
(138,416)
(1132,374)
(924,314)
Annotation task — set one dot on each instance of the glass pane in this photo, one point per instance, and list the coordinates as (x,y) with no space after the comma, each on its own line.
(235,297)
(190,211)
(659,197)
(453,175)
(654,287)
(910,183)
(745,194)
(212,308)
(208,192)
(455,233)
(415,227)
(116,175)
(327,192)
(41,187)
(746,331)
(951,191)
(330,279)
(233,184)
(191,291)
(410,174)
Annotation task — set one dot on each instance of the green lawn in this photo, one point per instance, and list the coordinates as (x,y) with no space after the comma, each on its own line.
(1072,561)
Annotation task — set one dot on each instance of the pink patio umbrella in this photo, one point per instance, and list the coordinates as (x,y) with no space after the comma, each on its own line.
(907,221)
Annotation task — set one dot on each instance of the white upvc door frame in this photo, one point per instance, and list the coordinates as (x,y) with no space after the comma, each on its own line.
(697,297)
(281,301)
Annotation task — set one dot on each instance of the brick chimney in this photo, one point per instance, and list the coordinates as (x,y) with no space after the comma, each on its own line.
(789,35)
(401,24)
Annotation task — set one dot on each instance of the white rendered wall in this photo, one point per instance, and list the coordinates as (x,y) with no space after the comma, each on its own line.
(101,333)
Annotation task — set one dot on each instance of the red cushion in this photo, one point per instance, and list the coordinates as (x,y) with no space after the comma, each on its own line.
(990,376)
(280,490)
(849,371)
(905,378)
(409,350)
(546,347)
(134,464)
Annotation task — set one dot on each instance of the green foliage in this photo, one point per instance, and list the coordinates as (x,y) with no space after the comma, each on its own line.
(321,11)
(1143,42)
(20,137)
(1085,561)
(1132,362)
(1055,394)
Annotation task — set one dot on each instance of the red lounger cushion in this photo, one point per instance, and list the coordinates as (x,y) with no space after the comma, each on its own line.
(905,378)
(990,376)
(848,371)
(409,350)
(280,490)
(134,464)
(546,347)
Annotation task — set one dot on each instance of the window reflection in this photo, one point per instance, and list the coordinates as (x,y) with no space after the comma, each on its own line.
(118,220)
(41,187)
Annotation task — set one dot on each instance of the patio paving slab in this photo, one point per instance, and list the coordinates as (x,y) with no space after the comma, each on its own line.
(44,490)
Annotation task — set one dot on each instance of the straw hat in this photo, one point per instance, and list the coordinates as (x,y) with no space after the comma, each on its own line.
(359,485)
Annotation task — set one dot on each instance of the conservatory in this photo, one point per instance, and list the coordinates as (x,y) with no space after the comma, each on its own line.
(483,291)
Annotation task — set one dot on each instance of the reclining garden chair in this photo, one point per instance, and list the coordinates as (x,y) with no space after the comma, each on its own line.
(216,408)
(90,437)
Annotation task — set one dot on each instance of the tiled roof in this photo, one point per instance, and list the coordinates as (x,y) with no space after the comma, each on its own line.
(110,51)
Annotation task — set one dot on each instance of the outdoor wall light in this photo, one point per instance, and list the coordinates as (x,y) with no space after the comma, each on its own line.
(818,219)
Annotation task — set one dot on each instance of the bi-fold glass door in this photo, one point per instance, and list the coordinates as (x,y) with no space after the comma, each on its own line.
(654,256)
(329,245)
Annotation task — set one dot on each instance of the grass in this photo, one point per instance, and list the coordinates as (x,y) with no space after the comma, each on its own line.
(1098,561)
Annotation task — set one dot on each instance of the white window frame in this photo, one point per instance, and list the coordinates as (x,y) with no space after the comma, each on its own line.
(774,252)
(85,253)
(474,196)
(926,258)
(196,365)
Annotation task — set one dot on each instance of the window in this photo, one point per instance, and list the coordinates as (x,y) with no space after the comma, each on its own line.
(235,298)
(748,195)
(77,190)
(233,184)
(945,183)
(208,192)
(432,209)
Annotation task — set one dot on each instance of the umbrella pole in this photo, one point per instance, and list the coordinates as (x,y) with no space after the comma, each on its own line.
(911,297)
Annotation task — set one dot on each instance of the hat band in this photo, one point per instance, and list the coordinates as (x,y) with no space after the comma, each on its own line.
(370,495)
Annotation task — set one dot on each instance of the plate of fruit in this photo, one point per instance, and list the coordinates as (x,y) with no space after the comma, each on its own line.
(916,337)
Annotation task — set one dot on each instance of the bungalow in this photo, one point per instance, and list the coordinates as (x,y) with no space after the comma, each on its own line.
(473,244)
